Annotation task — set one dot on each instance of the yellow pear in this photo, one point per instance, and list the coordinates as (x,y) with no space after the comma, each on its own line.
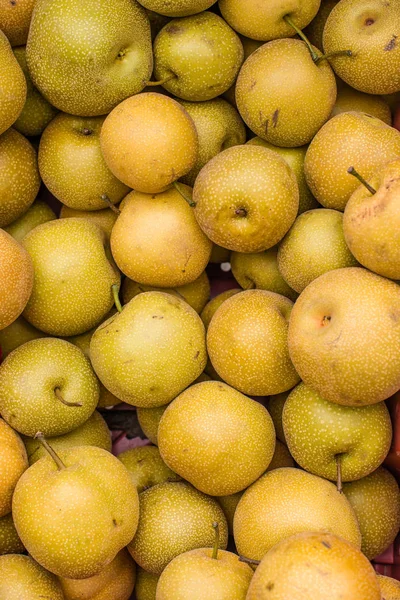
(39,212)
(315,29)
(146,585)
(149,420)
(217,460)
(351,100)
(17,333)
(135,151)
(22,577)
(16,279)
(212,306)
(146,467)
(390,587)
(177,8)
(14,462)
(15,18)
(104,218)
(157,241)
(9,540)
(13,85)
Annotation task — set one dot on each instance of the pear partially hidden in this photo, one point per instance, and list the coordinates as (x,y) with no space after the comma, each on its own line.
(15,18)
(146,585)
(23,577)
(177,8)
(9,540)
(149,420)
(13,86)
(17,333)
(212,306)
(146,467)
(13,462)
(390,587)
(104,218)
(351,100)
(39,212)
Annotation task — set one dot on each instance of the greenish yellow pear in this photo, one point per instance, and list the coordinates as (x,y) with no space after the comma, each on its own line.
(281,457)
(146,467)
(376,502)
(17,333)
(93,432)
(72,166)
(13,88)
(284,94)
(19,176)
(232,207)
(15,18)
(60,393)
(295,159)
(266,22)
(196,293)
(22,577)
(37,112)
(9,540)
(313,245)
(96,513)
(151,351)
(73,277)
(197,58)
(16,279)
(314,565)
(351,139)
(104,218)
(371,222)
(199,452)
(274,405)
(205,572)
(135,151)
(115,582)
(39,212)
(247,343)
(218,126)
(343,336)
(101,56)
(212,306)
(184,515)
(229,504)
(315,29)
(351,100)
(348,442)
(146,585)
(288,501)
(13,462)
(157,241)
(260,271)
(390,587)
(149,420)
(177,8)
(370,31)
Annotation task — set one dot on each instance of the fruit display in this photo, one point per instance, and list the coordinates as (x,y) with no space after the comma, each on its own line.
(200,300)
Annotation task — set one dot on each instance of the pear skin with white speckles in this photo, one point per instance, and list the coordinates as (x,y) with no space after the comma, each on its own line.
(247,343)
(174,518)
(15,17)
(146,467)
(351,100)
(75,515)
(13,86)
(216,438)
(101,56)
(13,462)
(9,540)
(287,501)
(212,306)
(146,585)
(177,8)
(376,502)
(344,336)
(317,566)
(39,212)
(149,420)
(22,577)
(104,218)
(246,198)
(151,351)
(73,277)
(390,587)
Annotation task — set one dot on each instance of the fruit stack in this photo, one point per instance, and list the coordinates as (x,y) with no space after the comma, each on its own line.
(142,145)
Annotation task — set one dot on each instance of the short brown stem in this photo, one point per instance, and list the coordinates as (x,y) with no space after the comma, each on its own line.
(63,401)
(107,200)
(241,212)
(115,292)
(339,474)
(352,171)
(162,81)
(179,189)
(86,131)
(249,561)
(60,465)
(216,541)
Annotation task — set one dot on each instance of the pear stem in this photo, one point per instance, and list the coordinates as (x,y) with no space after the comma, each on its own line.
(333,54)
(352,171)
(249,561)
(179,190)
(216,541)
(60,465)
(162,81)
(110,204)
(117,302)
(59,397)
(339,474)
(289,21)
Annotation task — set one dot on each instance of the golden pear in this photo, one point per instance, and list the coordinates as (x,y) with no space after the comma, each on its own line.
(390,587)
(13,86)
(351,100)
(39,212)
(21,578)
(104,218)
(15,18)
(13,462)
(212,306)
(146,467)
(177,8)
(9,540)
(146,585)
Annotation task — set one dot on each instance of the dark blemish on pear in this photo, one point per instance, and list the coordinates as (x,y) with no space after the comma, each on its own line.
(13,2)
(275,117)
(157,317)
(392,44)
(87,131)
(174,29)
(326,544)
(197,354)
(270,586)
(253,84)
(395,317)
(369,22)
(266,126)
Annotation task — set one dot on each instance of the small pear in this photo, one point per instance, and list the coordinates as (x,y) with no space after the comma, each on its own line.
(146,585)
(177,8)
(47,385)
(350,100)
(275,405)
(104,218)
(9,540)
(390,587)
(13,88)
(149,420)
(212,306)
(146,467)
(39,212)
(19,176)
(17,333)
(13,462)
(15,18)
(22,577)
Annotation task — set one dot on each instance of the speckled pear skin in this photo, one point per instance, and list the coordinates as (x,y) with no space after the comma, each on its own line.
(344,336)
(19,176)
(13,462)
(247,343)
(9,540)
(261,22)
(115,582)
(360,435)
(370,31)
(22,577)
(174,518)
(287,501)
(146,584)
(376,502)
(195,574)
(75,520)
(216,438)
(16,279)
(104,218)
(177,8)
(29,377)
(246,198)
(13,88)
(146,467)
(151,351)
(73,277)
(102,54)
(350,139)
(317,566)
(212,306)
(39,212)
(390,587)
(149,419)
(351,100)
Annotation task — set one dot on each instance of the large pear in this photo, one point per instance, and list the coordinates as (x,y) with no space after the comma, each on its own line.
(22,577)
(86,57)
(13,86)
